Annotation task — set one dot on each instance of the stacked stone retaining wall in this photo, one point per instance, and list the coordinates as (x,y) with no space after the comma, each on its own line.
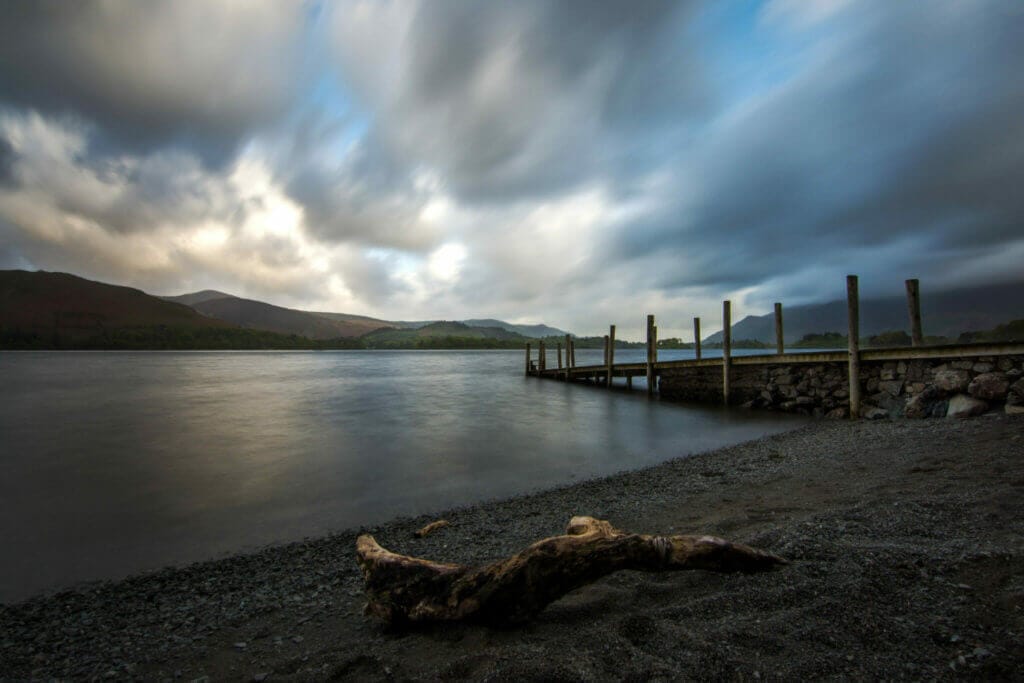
(934,387)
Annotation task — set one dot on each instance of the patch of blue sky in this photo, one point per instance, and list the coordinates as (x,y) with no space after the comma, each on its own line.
(743,54)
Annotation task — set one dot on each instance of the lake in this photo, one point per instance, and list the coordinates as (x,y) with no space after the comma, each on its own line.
(113,463)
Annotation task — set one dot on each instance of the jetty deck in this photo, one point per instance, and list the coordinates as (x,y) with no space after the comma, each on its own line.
(924,360)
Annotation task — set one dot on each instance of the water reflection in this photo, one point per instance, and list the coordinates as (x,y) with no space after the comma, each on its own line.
(112,463)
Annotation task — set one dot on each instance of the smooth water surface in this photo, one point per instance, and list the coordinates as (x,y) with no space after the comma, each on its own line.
(117,462)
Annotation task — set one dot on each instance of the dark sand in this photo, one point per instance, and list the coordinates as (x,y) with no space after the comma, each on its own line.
(907,542)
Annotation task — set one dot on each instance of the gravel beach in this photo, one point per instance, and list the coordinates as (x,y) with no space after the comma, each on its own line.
(906,540)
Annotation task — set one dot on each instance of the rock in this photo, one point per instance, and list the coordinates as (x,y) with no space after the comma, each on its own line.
(241,646)
(962,405)
(939,409)
(804,400)
(990,386)
(953,381)
(260,677)
(1014,410)
(982,368)
(887,375)
(875,414)
(837,413)
(921,405)
(891,387)
(962,364)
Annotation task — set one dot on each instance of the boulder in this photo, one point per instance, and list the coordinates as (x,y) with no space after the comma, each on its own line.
(837,413)
(963,405)
(989,386)
(892,387)
(953,381)
(875,413)
(982,368)
(921,405)
(1014,410)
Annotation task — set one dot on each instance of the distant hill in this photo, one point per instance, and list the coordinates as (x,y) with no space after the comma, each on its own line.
(258,315)
(364,323)
(443,334)
(294,321)
(71,309)
(532,331)
(198,297)
(946,314)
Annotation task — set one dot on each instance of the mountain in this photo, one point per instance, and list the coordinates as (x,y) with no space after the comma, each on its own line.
(438,334)
(945,314)
(261,315)
(363,322)
(71,309)
(198,297)
(258,315)
(533,331)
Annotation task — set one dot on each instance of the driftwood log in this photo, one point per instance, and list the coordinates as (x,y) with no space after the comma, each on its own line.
(403,590)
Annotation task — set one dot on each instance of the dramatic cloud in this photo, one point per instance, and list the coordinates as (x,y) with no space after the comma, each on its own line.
(154,72)
(573,162)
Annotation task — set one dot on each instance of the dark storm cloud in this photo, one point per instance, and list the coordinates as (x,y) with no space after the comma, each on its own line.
(152,73)
(8,157)
(905,131)
(512,100)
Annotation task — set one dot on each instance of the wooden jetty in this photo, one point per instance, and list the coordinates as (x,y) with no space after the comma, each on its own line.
(853,358)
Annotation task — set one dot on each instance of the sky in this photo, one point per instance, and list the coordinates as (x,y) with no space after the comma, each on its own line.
(573,162)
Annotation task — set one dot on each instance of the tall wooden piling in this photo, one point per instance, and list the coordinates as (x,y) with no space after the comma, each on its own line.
(696,336)
(542,363)
(780,346)
(914,308)
(527,358)
(650,355)
(611,353)
(559,355)
(605,356)
(568,357)
(726,347)
(572,345)
(853,314)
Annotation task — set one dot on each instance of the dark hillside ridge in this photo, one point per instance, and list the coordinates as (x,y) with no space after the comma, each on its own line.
(258,315)
(198,297)
(538,331)
(945,314)
(41,302)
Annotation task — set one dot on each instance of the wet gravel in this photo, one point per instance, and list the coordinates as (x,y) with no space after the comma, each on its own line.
(907,541)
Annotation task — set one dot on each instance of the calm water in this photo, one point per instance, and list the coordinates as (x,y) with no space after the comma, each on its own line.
(117,462)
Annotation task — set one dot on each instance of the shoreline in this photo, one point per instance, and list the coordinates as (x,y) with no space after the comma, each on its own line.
(871,513)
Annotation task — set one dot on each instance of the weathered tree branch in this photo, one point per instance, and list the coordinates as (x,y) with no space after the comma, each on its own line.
(403,590)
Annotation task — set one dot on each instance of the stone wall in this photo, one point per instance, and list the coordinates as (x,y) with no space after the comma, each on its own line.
(906,388)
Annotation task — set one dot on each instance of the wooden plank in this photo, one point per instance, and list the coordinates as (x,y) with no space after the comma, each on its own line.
(726,347)
(779,342)
(696,336)
(853,317)
(611,354)
(914,308)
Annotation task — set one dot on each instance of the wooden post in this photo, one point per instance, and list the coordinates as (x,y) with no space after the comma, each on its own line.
(696,336)
(542,359)
(611,353)
(853,314)
(527,358)
(559,355)
(780,344)
(568,356)
(650,355)
(726,347)
(914,306)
